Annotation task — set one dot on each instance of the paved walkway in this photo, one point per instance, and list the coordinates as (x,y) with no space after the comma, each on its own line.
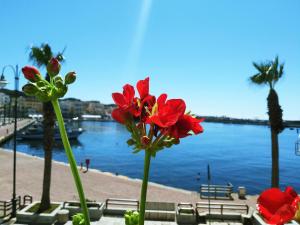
(98,185)
(7,130)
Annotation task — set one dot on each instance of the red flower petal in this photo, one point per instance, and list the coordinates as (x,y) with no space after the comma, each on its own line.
(128,92)
(283,215)
(120,115)
(143,88)
(184,125)
(119,99)
(272,199)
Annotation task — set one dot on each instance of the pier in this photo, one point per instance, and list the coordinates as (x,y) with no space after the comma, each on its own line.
(7,130)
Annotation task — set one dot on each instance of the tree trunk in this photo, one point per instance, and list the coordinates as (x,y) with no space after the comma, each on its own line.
(275,159)
(276,125)
(48,143)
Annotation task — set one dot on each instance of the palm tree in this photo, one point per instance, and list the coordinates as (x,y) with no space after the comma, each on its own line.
(41,56)
(268,74)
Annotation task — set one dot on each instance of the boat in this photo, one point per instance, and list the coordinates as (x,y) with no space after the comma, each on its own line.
(35,132)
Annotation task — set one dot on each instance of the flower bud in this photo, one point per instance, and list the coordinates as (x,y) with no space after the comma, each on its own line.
(70,78)
(130,142)
(30,89)
(53,67)
(145,140)
(61,91)
(58,82)
(31,73)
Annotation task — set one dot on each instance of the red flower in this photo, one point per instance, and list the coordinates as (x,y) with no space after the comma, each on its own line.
(126,101)
(184,125)
(278,207)
(31,73)
(168,112)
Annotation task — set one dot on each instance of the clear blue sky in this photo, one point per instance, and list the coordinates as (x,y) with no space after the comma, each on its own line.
(201,51)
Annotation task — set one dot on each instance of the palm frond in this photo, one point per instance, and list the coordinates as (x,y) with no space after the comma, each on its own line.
(258,78)
(260,67)
(41,55)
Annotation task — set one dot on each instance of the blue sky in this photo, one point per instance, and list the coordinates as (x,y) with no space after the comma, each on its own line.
(201,51)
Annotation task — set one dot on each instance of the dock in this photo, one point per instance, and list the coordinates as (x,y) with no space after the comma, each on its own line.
(7,130)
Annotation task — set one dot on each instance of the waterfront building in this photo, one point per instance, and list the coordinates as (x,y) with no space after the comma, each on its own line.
(71,107)
(94,108)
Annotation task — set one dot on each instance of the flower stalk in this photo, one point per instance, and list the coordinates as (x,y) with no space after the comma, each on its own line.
(144,186)
(71,160)
(51,91)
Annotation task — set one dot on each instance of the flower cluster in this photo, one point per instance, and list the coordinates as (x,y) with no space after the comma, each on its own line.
(47,90)
(166,119)
(278,207)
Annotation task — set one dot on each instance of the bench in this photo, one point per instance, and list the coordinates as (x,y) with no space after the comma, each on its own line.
(118,206)
(224,211)
(216,191)
(185,213)
(164,211)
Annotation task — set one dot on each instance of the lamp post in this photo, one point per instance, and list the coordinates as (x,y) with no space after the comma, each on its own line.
(3,82)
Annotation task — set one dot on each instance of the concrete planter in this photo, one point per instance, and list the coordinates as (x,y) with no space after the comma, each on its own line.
(95,209)
(23,216)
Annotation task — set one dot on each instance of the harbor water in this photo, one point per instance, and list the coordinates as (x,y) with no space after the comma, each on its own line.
(240,154)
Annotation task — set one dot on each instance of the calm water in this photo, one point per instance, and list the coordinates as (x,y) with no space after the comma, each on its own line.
(239,154)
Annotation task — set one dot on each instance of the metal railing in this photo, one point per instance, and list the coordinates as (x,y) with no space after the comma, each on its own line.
(6,207)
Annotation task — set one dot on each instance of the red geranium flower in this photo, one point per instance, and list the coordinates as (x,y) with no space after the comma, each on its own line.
(168,112)
(184,125)
(31,73)
(126,101)
(278,207)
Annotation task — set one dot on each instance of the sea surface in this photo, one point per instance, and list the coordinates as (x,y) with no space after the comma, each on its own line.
(240,154)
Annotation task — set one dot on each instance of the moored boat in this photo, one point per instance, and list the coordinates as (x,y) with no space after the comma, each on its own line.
(36,132)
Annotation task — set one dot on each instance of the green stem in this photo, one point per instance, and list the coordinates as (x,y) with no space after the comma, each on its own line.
(144,186)
(71,159)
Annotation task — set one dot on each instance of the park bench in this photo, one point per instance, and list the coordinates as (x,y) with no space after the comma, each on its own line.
(216,191)
(224,211)
(118,206)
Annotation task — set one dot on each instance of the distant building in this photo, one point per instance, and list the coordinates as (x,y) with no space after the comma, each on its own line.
(94,108)
(4,99)
(71,107)
(30,104)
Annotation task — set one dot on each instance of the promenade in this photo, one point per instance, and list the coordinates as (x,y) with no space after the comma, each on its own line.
(7,130)
(98,185)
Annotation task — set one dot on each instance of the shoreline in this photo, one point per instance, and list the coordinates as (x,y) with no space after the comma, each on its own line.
(98,185)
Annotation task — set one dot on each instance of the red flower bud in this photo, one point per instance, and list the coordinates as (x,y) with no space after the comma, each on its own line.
(31,73)
(145,140)
(53,67)
(70,78)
